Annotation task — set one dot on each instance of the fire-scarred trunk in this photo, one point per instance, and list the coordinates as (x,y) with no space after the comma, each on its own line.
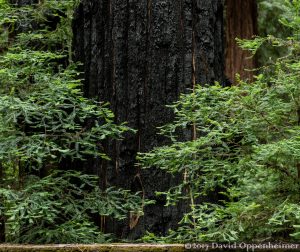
(139,56)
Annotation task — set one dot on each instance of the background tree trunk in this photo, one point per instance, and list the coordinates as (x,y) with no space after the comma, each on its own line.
(139,55)
(241,22)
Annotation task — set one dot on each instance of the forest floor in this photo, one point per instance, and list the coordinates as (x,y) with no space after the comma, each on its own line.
(94,248)
(121,247)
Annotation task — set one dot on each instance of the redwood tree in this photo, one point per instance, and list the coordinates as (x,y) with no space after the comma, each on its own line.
(241,22)
(139,56)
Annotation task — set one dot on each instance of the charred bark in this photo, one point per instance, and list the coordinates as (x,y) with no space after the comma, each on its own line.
(241,22)
(139,56)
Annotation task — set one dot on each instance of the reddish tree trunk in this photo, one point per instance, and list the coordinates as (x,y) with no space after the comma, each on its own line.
(241,22)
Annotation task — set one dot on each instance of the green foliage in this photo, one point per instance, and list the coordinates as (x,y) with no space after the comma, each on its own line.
(268,24)
(44,120)
(55,209)
(268,13)
(51,120)
(241,170)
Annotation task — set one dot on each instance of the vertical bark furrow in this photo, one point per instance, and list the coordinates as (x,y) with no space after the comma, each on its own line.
(139,58)
(241,22)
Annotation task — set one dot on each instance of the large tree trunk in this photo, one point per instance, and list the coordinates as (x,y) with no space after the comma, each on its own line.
(139,55)
(241,22)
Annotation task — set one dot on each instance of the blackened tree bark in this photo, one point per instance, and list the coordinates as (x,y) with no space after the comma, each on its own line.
(241,22)
(139,55)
